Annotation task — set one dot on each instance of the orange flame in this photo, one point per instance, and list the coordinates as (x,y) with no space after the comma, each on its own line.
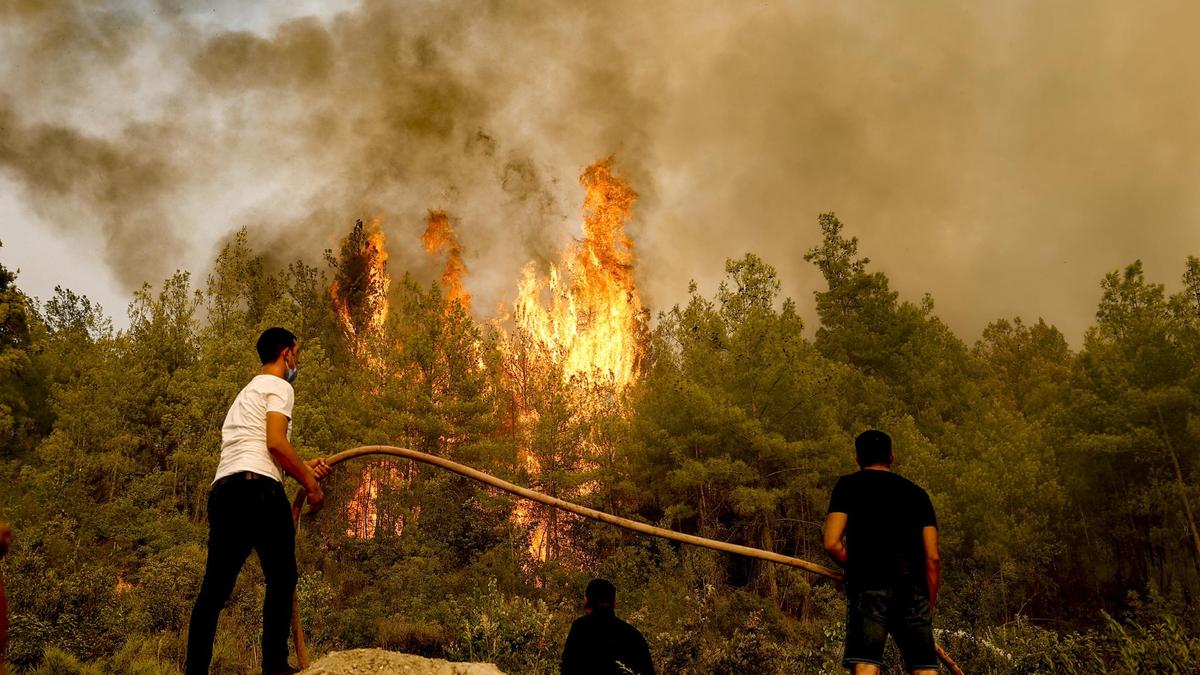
(440,234)
(593,321)
(360,301)
(531,518)
(364,512)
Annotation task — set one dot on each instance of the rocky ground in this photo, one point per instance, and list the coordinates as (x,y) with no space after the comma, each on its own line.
(379,662)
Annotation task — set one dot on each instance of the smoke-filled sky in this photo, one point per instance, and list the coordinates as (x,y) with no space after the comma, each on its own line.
(1002,156)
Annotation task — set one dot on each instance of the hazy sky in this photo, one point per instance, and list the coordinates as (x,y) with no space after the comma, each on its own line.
(1002,156)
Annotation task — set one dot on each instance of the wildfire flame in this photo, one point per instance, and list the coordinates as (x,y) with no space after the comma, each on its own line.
(583,317)
(593,319)
(363,512)
(440,234)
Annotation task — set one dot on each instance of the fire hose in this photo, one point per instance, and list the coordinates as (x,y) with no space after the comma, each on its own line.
(593,514)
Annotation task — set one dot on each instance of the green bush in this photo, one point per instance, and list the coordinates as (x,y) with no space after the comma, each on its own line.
(422,639)
(158,655)
(58,662)
(166,587)
(517,634)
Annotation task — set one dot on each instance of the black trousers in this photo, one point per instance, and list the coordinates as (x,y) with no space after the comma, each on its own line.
(244,515)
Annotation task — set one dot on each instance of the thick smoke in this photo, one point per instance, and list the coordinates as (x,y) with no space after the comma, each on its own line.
(1001,156)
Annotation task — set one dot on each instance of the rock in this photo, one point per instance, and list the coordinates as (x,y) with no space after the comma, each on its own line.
(381,662)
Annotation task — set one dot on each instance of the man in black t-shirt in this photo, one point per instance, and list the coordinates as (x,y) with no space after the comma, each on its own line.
(882,529)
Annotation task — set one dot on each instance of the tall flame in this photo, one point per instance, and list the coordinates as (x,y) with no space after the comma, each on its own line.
(593,320)
(440,234)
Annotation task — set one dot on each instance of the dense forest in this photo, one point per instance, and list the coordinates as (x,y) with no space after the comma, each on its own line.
(1066,480)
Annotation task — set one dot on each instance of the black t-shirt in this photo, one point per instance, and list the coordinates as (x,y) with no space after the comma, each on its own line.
(599,641)
(886,514)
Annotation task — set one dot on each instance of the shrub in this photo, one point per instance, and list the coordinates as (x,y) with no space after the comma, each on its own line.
(58,662)
(422,639)
(515,633)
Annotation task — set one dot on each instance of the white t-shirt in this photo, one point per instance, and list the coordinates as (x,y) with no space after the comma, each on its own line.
(244,433)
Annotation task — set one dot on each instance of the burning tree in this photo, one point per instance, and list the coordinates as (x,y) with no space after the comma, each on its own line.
(578,340)
(360,283)
(420,369)
(359,292)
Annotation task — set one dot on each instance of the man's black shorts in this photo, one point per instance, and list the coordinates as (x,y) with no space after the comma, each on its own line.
(902,611)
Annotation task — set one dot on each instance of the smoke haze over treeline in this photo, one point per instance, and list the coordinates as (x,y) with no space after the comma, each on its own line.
(1002,157)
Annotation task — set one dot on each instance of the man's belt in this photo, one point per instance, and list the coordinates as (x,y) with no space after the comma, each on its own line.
(239,477)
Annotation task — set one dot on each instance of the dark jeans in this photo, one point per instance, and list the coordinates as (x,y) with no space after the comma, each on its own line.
(901,610)
(244,515)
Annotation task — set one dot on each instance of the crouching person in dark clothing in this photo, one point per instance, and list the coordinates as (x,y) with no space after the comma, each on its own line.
(601,644)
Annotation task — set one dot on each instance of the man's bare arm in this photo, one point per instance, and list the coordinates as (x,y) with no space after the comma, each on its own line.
(307,473)
(933,563)
(835,542)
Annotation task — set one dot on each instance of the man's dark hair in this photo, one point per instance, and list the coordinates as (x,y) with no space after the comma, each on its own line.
(272,343)
(873,447)
(600,593)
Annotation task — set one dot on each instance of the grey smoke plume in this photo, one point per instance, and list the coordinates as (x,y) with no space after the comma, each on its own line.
(1002,156)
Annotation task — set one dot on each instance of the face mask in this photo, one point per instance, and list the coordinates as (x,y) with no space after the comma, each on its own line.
(290,373)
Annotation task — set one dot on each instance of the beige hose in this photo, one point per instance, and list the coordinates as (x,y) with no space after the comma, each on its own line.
(462,470)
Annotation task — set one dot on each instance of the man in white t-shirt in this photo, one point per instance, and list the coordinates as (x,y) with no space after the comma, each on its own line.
(248,509)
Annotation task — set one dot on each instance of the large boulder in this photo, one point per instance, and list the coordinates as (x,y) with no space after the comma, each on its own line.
(381,662)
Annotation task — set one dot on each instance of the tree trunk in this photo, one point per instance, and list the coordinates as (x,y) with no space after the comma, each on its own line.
(768,581)
(1183,495)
